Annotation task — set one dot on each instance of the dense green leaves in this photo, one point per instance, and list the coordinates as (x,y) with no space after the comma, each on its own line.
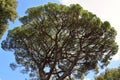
(109,74)
(58,41)
(7,12)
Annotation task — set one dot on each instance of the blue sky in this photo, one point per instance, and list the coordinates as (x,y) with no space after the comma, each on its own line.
(105,9)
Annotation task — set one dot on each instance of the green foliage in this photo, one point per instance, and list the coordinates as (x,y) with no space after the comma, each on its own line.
(109,74)
(7,12)
(58,41)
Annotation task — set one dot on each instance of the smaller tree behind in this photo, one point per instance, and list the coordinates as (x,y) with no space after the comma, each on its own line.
(109,74)
(7,12)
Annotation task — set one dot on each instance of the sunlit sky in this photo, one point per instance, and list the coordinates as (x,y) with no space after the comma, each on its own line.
(104,9)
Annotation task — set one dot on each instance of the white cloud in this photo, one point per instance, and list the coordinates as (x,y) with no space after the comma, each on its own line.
(116,57)
(106,10)
(87,79)
(68,2)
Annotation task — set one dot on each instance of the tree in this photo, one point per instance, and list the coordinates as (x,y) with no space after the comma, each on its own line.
(109,74)
(58,42)
(7,12)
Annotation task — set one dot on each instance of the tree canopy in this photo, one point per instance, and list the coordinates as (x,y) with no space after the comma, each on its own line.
(57,42)
(7,12)
(109,74)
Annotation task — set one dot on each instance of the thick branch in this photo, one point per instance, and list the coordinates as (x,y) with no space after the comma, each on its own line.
(68,72)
